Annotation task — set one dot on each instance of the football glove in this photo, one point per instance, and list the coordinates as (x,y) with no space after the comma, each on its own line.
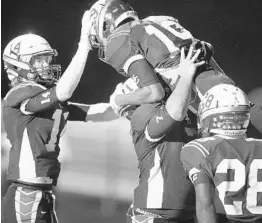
(207,50)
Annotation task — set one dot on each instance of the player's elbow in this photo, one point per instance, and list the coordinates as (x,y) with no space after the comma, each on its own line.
(176,111)
(155,93)
(63,94)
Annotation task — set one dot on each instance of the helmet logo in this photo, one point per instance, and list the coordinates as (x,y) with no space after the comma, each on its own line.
(16,49)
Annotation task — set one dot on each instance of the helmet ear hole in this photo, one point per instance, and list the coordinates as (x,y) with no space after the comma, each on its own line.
(104,26)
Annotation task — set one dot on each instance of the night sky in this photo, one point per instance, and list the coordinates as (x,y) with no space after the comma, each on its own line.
(234,27)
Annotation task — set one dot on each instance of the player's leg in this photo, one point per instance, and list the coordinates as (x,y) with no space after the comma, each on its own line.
(210,77)
(25,203)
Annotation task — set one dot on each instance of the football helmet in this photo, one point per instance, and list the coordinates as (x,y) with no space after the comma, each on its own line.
(21,54)
(107,16)
(225,110)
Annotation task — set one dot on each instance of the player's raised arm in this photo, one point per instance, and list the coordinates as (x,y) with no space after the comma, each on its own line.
(71,77)
(150,89)
(177,103)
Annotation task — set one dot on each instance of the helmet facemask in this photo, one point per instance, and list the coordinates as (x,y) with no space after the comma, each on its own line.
(46,72)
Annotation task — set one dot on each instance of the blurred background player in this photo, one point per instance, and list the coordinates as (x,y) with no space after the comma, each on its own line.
(148,50)
(159,130)
(225,161)
(35,113)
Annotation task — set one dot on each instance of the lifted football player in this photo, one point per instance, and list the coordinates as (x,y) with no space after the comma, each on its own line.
(35,112)
(225,161)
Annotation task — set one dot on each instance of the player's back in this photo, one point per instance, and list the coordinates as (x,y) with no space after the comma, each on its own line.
(235,166)
(157,41)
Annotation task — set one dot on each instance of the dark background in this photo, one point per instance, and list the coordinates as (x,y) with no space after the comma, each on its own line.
(234,27)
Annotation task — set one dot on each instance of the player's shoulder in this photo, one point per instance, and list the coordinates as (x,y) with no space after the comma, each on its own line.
(142,115)
(21,92)
(203,146)
(119,40)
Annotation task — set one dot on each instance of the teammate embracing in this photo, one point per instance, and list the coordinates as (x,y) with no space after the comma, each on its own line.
(224,161)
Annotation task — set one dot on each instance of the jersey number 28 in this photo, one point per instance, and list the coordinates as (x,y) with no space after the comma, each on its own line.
(253,188)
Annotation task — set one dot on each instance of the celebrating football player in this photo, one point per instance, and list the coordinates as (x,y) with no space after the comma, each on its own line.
(225,161)
(148,50)
(159,130)
(35,112)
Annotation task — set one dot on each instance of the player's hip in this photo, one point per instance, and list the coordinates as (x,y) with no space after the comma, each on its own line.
(24,203)
(137,215)
(168,202)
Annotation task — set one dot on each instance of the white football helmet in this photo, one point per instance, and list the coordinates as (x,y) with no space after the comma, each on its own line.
(18,56)
(225,110)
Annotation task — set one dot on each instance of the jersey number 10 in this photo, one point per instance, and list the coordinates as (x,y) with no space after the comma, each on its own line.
(174,28)
(253,188)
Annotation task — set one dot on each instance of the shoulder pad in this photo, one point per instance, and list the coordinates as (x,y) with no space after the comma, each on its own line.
(21,92)
(207,144)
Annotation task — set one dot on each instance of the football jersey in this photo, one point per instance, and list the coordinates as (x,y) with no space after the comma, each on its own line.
(163,185)
(34,120)
(158,42)
(234,167)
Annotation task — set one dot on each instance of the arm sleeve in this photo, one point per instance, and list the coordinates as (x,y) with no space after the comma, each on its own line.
(40,102)
(159,125)
(143,73)
(124,53)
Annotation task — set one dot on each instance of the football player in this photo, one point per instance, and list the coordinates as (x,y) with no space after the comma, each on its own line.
(35,113)
(225,161)
(148,50)
(159,130)
(142,49)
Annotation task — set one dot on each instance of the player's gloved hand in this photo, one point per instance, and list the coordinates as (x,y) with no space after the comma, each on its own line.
(118,90)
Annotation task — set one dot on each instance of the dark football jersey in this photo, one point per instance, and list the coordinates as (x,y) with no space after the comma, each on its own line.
(34,120)
(163,186)
(157,41)
(234,167)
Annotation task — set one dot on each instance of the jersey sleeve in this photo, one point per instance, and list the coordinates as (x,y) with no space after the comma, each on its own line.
(31,98)
(124,53)
(193,156)
(160,124)
(77,112)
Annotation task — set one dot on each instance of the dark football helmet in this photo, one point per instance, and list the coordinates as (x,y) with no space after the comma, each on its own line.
(107,16)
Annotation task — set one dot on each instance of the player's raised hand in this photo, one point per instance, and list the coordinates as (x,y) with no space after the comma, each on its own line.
(85,30)
(189,64)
